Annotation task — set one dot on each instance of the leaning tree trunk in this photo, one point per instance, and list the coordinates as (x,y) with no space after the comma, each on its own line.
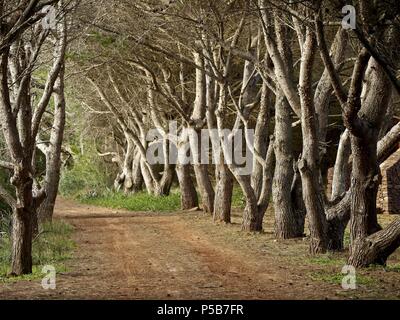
(148,180)
(53,154)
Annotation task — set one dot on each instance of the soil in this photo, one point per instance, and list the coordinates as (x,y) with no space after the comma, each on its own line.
(183,255)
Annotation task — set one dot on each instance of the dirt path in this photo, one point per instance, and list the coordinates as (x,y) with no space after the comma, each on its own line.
(122,255)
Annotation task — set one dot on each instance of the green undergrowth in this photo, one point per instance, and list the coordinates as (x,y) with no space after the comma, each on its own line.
(333,277)
(141,201)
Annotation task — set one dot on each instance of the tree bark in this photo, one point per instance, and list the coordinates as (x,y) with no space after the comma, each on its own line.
(223,194)
(287,224)
(365,172)
(206,190)
(21,254)
(224,178)
(53,154)
(308,165)
(189,198)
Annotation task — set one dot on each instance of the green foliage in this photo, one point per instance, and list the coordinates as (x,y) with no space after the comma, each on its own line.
(136,202)
(53,246)
(329,259)
(337,277)
(88,176)
(238,200)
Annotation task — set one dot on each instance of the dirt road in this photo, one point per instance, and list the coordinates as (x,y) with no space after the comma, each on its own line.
(122,255)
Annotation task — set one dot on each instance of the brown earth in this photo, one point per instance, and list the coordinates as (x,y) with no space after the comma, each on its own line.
(125,255)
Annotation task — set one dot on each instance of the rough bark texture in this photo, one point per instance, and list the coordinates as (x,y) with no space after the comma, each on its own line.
(308,165)
(261,139)
(286,223)
(224,178)
(53,152)
(365,171)
(21,252)
(189,198)
(206,190)
(223,194)
(21,256)
(289,222)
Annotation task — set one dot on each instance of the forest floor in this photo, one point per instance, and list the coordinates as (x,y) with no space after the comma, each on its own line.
(183,255)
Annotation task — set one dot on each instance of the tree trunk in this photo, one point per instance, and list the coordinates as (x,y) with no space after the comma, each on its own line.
(308,165)
(137,178)
(21,254)
(223,194)
(252,216)
(286,223)
(224,178)
(342,169)
(205,187)
(148,180)
(163,186)
(53,154)
(261,134)
(366,173)
(198,117)
(376,248)
(21,258)
(189,198)
(124,179)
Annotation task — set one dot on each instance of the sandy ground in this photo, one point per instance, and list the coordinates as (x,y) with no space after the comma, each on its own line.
(124,255)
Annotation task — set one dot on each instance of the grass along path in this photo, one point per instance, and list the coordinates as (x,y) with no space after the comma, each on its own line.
(142,201)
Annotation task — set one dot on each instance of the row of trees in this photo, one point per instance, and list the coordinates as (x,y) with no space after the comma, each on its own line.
(282,68)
